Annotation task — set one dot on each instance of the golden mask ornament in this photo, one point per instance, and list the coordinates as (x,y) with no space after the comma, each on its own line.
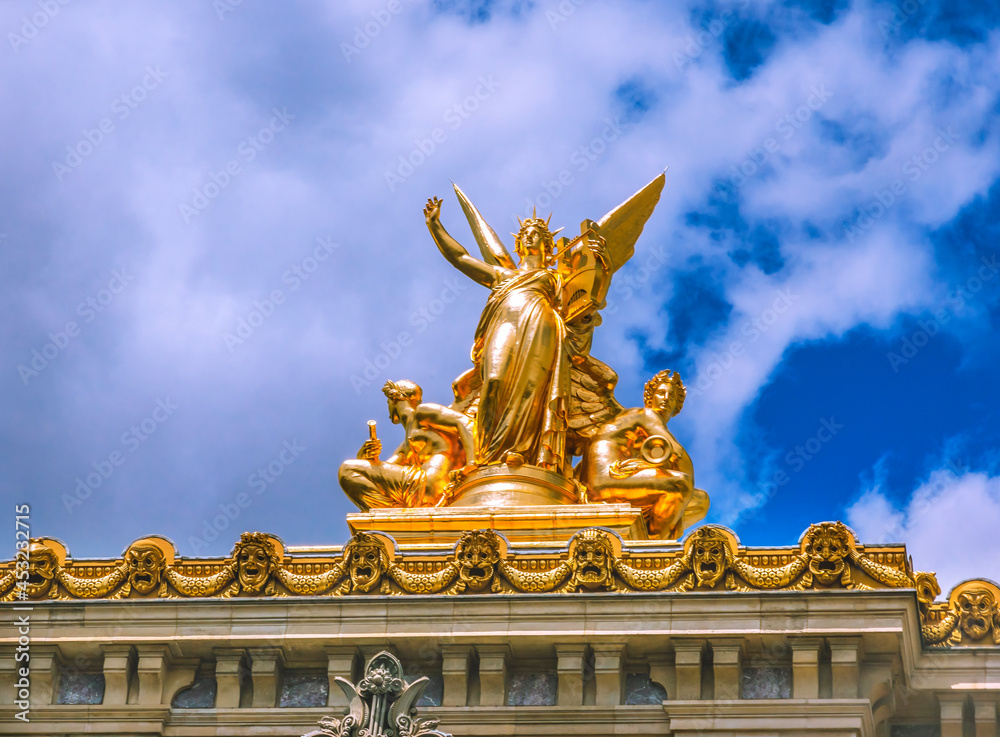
(366,561)
(146,563)
(591,557)
(256,560)
(970,617)
(828,545)
(477,555)
(43,565)
(976,611)
(709,553)
(928,589)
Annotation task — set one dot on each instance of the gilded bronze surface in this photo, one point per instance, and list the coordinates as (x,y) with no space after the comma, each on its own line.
(971,616)
(535,400)
(483,562)
(551,523)
(438,440)
(634,458)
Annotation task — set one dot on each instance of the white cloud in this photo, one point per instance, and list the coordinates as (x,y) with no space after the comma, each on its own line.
(325,176)
(949,524)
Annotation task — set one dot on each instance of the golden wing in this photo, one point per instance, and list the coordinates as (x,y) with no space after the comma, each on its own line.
(622,227)
(587,263)
(493,250)
(592,400)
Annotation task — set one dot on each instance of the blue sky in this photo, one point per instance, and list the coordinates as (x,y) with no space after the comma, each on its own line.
(211,226)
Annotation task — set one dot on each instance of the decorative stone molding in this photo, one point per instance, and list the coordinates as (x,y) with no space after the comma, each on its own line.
(711,558)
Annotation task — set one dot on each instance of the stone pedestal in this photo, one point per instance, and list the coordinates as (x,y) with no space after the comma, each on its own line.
(985,714)
(549,523)
(266,665)
(151,669)
(608,673)
(845,659)
(8,675)
(46,661)
(951,706)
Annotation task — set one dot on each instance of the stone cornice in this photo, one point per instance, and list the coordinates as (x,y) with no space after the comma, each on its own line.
(595,564)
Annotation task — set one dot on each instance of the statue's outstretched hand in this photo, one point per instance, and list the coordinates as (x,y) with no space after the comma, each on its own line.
(370,451)
(432,210)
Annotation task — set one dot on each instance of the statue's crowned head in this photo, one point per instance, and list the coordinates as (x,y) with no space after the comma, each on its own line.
(535,234)
(666,387)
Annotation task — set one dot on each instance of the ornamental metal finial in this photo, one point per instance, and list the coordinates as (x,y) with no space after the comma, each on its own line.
(381,705)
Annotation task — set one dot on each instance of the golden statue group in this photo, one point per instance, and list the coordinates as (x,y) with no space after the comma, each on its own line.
(535,420)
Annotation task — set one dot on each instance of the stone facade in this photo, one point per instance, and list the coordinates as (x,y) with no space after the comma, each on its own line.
(603,656)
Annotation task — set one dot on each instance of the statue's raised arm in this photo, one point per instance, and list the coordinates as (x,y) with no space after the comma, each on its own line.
(456,254)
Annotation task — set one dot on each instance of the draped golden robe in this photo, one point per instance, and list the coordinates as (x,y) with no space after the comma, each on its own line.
(520,354)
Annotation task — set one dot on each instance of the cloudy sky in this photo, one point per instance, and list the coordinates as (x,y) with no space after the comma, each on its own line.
(213,251)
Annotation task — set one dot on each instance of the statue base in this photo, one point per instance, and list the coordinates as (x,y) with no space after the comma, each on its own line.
(554,523)
(501,485)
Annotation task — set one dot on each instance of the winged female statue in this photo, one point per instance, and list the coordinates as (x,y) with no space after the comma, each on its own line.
(535,399)
(534,390)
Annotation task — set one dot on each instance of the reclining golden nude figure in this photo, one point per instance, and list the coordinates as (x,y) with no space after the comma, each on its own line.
(635,459)
(437,441)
